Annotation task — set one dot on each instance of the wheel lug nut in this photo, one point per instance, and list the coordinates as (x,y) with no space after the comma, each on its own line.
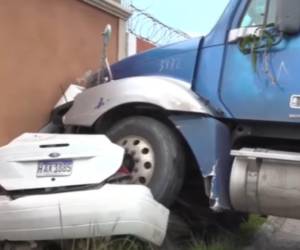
(147,165)
(142,180)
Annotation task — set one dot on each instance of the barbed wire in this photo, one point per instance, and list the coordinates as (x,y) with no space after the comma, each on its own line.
(126,3)
(147,27)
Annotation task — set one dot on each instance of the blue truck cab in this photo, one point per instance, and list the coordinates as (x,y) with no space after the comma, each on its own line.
(227,103)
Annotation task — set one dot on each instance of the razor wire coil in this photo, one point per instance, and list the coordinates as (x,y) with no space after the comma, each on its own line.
(147,27)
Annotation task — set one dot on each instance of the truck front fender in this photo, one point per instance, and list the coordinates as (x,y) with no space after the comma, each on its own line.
(210,142)
(167,93)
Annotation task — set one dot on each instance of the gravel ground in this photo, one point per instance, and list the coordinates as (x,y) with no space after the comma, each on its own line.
(278,234)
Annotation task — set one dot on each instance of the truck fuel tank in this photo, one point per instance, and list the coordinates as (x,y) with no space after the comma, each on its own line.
(266,182)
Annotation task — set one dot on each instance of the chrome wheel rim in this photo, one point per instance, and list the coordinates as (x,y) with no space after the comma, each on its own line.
(142,154)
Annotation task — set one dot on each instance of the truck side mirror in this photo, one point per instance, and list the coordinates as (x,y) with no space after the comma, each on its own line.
(107,35)
(105,67)
(288,16)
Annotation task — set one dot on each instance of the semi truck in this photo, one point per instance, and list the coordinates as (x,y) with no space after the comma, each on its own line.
(222,109)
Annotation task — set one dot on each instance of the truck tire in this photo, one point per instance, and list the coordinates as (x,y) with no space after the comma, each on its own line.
(156,154)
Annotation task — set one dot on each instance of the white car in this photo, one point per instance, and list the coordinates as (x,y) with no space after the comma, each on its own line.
(59,186)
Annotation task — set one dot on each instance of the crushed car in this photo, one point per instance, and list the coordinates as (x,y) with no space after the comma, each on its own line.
(60,186)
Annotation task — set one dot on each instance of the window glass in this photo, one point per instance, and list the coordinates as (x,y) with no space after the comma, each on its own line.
(272,12)
(255,13)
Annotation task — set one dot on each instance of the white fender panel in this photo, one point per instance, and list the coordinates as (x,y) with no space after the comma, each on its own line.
(168,93)
(69,95)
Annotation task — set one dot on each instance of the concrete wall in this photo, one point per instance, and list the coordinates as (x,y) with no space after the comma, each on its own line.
(44,46)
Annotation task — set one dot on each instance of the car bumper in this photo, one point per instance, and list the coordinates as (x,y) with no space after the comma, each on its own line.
(107,211)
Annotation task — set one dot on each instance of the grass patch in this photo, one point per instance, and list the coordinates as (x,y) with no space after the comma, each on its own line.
(122,243)
(223,240)
(249,228)
(237,241)
(221,244)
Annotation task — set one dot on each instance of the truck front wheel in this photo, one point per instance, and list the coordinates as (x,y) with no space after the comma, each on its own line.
(154,155)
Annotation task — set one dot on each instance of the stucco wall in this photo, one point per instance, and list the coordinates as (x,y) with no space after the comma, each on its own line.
(45,45)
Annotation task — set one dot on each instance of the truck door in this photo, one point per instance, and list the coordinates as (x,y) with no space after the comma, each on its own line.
(263,84)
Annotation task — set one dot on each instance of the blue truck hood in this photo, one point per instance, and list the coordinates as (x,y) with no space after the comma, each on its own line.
(176,60)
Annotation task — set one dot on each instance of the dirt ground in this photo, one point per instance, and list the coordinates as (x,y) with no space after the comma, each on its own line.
(278,234)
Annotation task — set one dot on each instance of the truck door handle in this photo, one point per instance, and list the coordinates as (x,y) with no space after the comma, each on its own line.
(237,34)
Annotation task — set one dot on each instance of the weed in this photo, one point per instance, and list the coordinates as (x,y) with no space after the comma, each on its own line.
(121,243)
(222,240)
(236,241)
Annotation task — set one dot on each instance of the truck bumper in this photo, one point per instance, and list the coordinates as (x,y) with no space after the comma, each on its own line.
(107,211)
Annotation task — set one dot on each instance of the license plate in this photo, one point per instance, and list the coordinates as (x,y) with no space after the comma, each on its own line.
(54,168)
